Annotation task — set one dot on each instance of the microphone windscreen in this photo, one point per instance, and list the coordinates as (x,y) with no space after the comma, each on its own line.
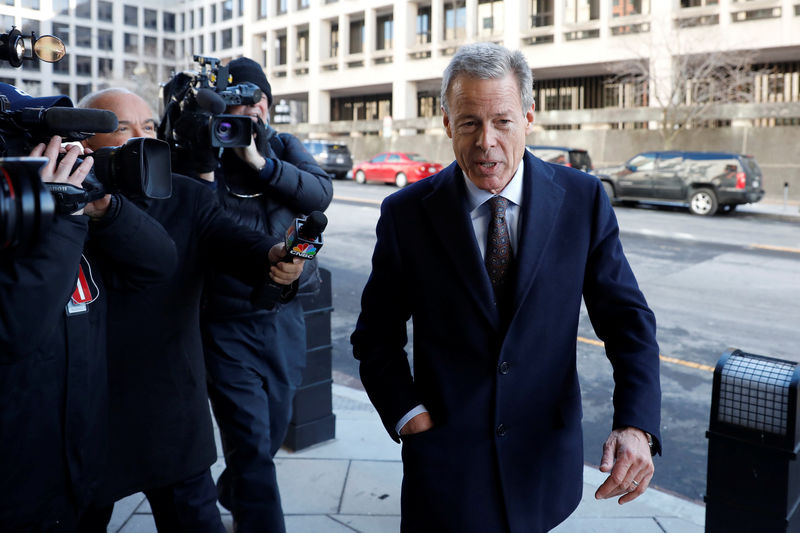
(68,119)
(210,101)
(314,225)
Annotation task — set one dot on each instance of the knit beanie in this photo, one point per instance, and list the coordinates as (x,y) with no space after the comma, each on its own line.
(245,69)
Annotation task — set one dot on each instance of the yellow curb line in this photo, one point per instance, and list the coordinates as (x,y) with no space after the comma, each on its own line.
(664,358)
(776,248)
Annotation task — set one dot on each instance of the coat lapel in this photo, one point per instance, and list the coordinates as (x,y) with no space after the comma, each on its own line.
(542,199)
(446,206)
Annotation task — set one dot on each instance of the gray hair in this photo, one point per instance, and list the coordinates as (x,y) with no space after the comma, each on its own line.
(487,61)
(87,102)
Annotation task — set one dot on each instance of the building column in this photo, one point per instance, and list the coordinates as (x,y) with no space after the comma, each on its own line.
(291,50)
(319,106)
(369,35)
(661,56)
(605,19)
(472,20)
(515,15)
(437,27)
(344,40)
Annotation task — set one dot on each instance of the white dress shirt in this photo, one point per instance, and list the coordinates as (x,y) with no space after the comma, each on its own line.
(479,210)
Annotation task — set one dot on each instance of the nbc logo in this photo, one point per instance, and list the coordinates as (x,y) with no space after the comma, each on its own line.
(305,249)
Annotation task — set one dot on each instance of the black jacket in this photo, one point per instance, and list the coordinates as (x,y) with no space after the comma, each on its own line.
(161,429)
(268,202)
(53,384)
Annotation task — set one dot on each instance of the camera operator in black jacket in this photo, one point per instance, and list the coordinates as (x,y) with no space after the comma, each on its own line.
(53,382)
(255,357)
(161,435)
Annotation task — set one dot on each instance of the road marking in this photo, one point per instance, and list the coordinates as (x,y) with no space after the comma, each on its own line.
(357,200)
(666,359)
(776,248)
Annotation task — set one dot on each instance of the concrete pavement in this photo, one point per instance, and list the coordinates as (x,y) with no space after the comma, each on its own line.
(352,484)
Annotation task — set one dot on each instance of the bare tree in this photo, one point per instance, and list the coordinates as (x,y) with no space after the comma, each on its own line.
(696,83)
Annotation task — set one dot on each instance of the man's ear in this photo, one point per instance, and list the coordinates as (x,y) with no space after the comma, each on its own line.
(446,123)
(529,119)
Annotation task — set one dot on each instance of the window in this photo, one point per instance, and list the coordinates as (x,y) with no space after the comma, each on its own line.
(28,26)
(151,19)
(83,65)
(542,12)
(356,36)
(334,44)
(169,22)
(130,67)
(6,21)
(262,9)
(282,6)
(455,19)
(60,7)
(302,4)
(83,36)
(239,36)
(60,30)
(105,67)
(105,39)
(213,10)
(61,88)
(201,21)
(213,41)
(384,38)
(150,46)
(698,3)
(302,46)
(240,12)
(131,16)
(61,67)
(280,52)
(30,4)
(642,162)
(191,20)
(201,44)
(423,25)
(227,38)
(82,89)
(105,11)
(581,11)
(131,43)
(83,9)
(227,9)
(490,17)
(623,8)
(183,22)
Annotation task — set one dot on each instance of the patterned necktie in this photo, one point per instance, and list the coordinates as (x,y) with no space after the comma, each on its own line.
(498,247)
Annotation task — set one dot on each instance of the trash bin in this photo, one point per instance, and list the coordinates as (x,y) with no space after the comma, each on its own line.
(753,481)
(313,420)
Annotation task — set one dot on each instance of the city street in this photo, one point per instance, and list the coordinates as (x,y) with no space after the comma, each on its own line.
(714,283)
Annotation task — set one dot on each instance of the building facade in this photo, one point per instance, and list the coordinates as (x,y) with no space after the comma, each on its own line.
(376,60)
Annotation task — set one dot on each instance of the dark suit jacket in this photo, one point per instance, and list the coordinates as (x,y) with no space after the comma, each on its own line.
(506,451)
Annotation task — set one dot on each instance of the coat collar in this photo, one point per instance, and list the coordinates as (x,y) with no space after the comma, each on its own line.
(446,206)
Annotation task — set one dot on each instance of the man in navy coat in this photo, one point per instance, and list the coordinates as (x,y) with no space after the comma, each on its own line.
(490,417)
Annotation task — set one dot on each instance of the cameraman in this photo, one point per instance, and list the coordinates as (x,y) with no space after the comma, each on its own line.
(255,357)
(53,383)
(162,438)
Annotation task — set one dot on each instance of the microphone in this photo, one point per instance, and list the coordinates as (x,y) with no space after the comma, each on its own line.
(210,101)
(66,121)
(303,240)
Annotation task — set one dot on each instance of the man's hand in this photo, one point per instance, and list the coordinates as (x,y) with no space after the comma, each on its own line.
(626,454)
(418,424)
(61,171)
(281,272)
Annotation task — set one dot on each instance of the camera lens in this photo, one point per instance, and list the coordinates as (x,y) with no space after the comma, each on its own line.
(225,131)
(26,207)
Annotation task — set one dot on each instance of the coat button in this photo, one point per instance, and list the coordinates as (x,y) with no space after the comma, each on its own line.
(504,367)
(501,430)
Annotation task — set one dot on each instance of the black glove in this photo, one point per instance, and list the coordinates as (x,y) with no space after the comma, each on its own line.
(263,135)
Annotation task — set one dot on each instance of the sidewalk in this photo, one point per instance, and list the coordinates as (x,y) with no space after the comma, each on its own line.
(352,484)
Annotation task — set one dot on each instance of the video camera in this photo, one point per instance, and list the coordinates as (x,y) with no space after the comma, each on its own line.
(194,105)
(141,167)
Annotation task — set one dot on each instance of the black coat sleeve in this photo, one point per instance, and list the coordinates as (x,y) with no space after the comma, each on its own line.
(35,287)
(227,245)
(138,250)
(296,180)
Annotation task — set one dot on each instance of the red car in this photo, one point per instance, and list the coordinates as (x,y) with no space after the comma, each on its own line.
(395,167)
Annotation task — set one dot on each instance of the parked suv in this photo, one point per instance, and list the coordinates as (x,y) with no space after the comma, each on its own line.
(561,155)
(706,181)
(334,158)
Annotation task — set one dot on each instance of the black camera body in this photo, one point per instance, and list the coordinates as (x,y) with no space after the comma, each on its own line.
(194,108)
